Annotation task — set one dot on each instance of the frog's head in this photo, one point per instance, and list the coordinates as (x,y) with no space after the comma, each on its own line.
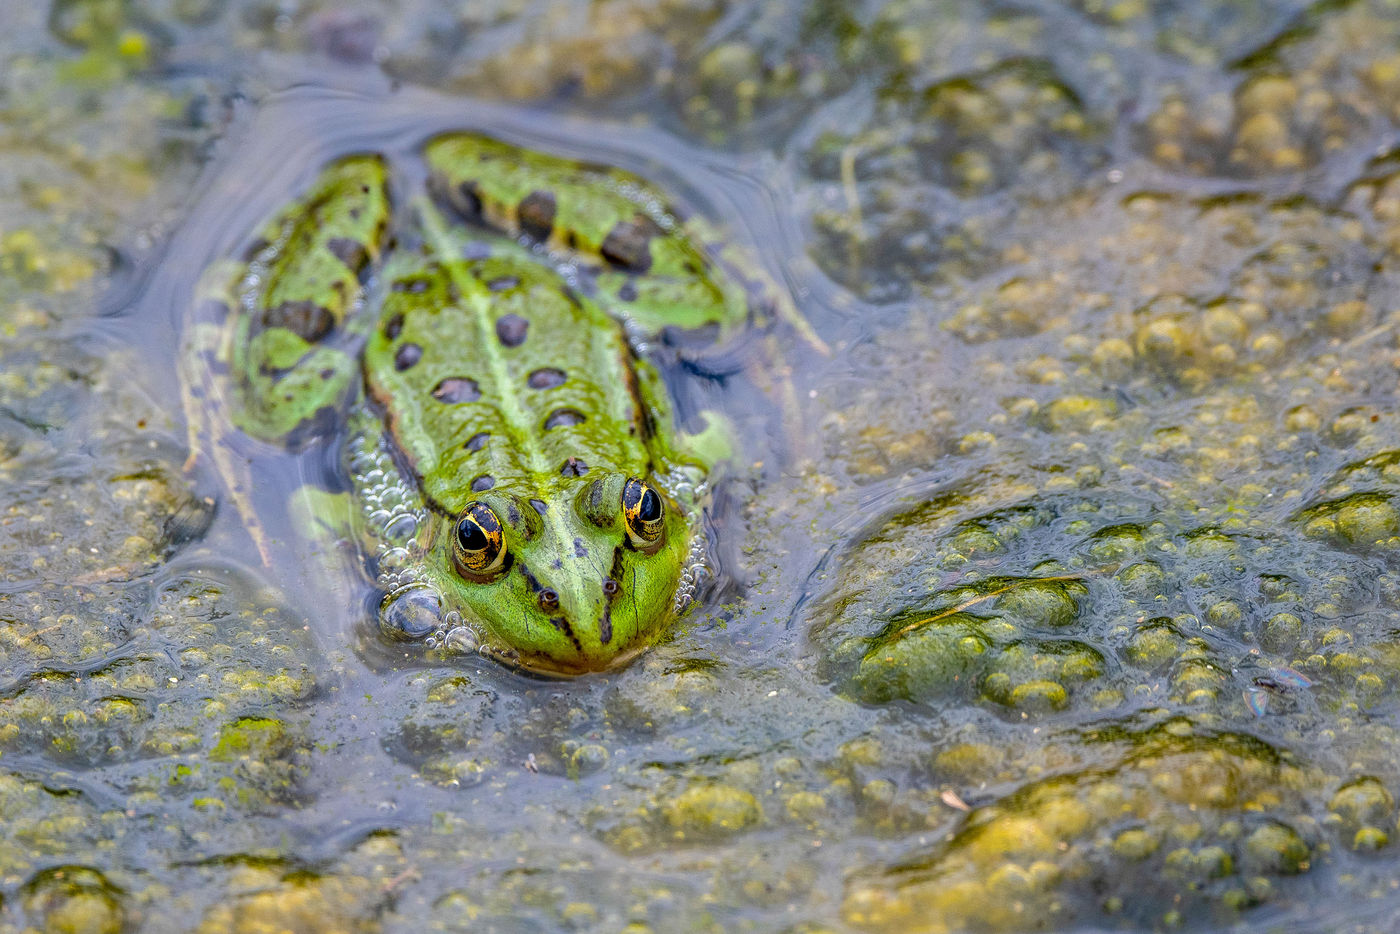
(575,582)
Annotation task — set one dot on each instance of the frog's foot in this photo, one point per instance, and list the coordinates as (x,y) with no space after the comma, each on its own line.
(327,532)
(318,515)
(712,444)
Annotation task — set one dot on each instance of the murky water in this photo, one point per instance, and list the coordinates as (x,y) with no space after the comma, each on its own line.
(1061,594)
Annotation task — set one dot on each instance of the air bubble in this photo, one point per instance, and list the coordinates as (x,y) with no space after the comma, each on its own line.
(460,639)
(401,526)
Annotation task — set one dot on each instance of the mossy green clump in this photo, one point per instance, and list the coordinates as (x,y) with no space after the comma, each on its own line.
(1143,581)
(1362,803)
(1069,414)
(75,900)
(1164,822)
(268,897)
(1154,643)
(1033,603)
(249,738)
(1134,845)
(710,810)
(1363,520)
(963,636)
(925,658)
(1038,696)
(1276,848)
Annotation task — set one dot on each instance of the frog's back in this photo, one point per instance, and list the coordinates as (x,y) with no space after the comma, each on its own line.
(491,374)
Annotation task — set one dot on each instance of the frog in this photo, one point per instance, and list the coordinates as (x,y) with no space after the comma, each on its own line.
(479,357)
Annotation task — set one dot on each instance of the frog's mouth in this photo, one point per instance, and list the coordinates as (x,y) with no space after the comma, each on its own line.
(549,669)
(413,613)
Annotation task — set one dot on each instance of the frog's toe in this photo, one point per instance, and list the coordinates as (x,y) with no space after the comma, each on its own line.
(190,520)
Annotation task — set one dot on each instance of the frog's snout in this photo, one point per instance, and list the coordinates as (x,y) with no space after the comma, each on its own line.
(549,598)
(582,613)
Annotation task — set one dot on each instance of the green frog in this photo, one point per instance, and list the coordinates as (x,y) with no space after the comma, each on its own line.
(517,483)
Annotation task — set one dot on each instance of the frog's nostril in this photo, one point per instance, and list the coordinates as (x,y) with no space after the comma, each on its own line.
(548,599)
(611,587)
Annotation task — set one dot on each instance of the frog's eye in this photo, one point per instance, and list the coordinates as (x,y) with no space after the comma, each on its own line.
(643,509)
(478,545)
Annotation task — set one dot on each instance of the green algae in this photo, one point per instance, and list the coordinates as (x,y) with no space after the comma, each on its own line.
(707,811)
(75,900)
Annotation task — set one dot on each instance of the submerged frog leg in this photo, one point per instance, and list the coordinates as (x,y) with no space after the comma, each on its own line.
(695,453)
(205,363)
(327,523)
(272,350)
(294,359)
(714,444)
(768,301)
(320,515)
(205,355)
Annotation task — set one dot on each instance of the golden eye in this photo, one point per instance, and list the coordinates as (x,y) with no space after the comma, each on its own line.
(643,509)
(479,546)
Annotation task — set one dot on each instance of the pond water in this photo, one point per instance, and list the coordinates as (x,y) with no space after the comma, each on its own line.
(1061,593)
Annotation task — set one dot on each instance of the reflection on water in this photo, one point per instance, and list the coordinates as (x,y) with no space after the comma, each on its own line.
(1075,608)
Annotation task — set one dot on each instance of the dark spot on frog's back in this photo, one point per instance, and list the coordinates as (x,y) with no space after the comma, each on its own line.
(350,252)
(547,377)
(319,424)
(393,328)
(413,285)
(457,389)
(503,283)
(213,362)
(464,199)
(628,245)
(307,320)
(483,483)
(407,356)
(563,418)
(536,213)
(511,330)
(573,467)
(477,441)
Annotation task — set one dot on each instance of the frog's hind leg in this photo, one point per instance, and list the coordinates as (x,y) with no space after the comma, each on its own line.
(272,348)
(205,362)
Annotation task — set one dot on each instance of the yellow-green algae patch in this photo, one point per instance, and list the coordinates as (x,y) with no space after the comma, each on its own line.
(1191,819)
(711,810)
